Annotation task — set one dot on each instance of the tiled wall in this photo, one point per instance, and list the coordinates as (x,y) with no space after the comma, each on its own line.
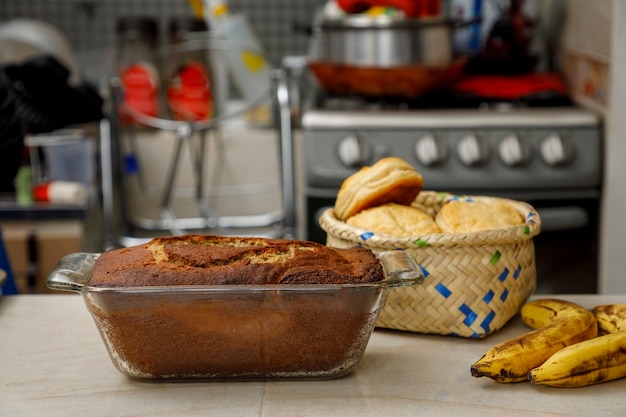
(587,51)
(89,25)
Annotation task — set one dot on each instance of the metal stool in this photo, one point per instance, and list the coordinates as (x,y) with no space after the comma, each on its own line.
(282,222)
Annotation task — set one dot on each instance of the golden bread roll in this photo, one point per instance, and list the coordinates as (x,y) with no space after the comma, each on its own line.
(395,220)
(472,216)
(390,180)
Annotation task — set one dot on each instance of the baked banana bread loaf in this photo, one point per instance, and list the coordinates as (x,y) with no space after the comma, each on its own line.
(213,260)
(178,333)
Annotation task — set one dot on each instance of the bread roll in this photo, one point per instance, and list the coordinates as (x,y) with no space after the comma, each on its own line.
(395,220)
(471,216)
(390,180)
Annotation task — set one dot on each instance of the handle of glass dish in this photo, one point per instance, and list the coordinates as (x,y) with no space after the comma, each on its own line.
(72,272)
(401,269)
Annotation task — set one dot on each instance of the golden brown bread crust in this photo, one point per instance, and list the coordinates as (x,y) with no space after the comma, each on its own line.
(395,220)
(390,180)
(473,216)
(213,260)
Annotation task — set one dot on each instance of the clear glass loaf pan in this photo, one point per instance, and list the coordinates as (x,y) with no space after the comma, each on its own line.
(235,332)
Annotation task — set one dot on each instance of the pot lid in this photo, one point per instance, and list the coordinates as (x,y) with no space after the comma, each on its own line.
(363,21)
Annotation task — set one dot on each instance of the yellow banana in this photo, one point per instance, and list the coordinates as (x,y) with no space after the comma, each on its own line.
(586,363)
(611,317)
(591,361)
(557,324)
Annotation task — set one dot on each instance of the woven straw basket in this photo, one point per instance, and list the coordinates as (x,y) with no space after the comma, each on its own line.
(474,282)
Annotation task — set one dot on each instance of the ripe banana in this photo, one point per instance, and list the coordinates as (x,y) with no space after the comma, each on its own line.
(611,317)
(557,324)
(585,363)
(591,361)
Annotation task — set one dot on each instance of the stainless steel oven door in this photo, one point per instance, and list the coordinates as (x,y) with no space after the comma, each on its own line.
(567,250)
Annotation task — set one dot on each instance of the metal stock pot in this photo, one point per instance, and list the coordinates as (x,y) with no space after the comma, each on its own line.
(385,42)
(384,55)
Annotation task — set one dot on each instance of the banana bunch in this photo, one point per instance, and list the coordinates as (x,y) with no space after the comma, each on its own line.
(557,324)
(564,350)
(591,361)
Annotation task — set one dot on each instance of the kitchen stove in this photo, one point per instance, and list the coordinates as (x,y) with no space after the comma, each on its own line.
(544,150)
(532,150)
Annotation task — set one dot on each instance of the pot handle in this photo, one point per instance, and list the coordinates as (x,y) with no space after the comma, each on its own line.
(72,272)
(458,24)
(400,268)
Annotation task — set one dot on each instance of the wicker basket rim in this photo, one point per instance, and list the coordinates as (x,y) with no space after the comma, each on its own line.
(532,226)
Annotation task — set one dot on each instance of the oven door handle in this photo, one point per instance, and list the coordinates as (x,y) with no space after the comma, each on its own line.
(562,218)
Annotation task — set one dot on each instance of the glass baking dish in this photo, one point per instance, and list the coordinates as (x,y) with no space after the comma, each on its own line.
(235,332)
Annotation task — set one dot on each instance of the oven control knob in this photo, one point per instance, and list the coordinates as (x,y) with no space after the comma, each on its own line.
(472,150)
(514,151)
(354,151)
(555,150)
(430,150)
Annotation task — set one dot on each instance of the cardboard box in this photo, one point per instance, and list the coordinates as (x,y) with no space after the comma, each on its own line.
(16,245)
(35,247)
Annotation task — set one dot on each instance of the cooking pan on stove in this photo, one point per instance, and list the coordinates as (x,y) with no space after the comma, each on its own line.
(385,55)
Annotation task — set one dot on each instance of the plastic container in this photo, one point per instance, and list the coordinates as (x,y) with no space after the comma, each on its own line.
(189,79)
(235,332)
(137,39)
(61,192)
(246,62)
(248,66)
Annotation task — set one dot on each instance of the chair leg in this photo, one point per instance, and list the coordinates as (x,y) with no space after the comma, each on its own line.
(144,186)
(182,134)
(287,171)
(198,156)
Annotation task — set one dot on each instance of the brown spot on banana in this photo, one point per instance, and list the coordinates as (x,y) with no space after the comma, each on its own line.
(559,324)
(611,318)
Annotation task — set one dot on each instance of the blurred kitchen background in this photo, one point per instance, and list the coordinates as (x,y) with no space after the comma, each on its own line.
(90,26)
(542,123)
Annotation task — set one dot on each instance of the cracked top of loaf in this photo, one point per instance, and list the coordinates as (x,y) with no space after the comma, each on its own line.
(221,260)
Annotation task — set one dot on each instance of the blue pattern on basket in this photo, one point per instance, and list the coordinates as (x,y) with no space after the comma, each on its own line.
(503,275)
(367,235)
(487,298)
(470,315)
(455,197)
(487,321)
(443,290)
(424,271)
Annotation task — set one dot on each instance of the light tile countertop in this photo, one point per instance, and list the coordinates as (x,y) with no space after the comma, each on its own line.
(53,363)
